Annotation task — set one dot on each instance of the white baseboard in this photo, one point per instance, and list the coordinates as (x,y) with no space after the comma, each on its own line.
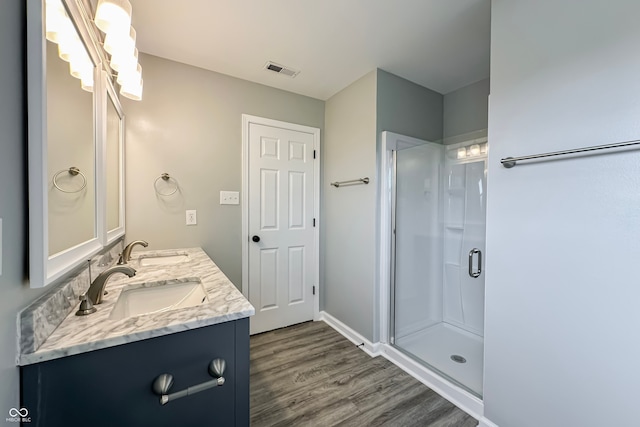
(372,349)
(486,423)
(454,394)
(464,400)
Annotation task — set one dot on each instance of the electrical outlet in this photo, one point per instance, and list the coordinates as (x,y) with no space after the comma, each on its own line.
(192,218)
(229,198)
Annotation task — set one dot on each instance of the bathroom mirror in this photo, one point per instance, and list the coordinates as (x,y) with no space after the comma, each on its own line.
(72,166)
(114,164)
(71,172)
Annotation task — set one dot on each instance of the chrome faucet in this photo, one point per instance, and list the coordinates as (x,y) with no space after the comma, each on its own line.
(96,290)
(125,257)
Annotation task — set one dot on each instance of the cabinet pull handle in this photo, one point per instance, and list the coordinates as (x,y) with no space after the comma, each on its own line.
(476,273)
(162,384)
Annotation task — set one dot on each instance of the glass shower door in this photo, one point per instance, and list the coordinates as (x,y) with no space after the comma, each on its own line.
(438,260)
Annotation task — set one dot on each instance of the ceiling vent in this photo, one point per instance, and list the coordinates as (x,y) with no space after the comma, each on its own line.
(280,69)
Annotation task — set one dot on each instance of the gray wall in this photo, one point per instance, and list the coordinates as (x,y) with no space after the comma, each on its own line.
(348,223)
(466,111)
(189,125)
(407,108)
(562,291)
(354,119)
(14,288)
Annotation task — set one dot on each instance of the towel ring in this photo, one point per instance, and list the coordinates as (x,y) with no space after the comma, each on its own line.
(165,177)
(73,171)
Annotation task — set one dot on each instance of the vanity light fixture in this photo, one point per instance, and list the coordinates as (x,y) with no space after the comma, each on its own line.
(113,17)
(59,29)
(477,149)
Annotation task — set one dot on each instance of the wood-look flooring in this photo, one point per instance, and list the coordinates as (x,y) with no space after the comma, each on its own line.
(309,375)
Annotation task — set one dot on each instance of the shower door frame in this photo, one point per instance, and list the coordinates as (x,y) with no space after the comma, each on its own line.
(387,218)
(461,397)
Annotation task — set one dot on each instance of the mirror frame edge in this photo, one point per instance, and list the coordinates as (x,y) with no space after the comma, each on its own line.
(45,269)
(110,93)
(37,152)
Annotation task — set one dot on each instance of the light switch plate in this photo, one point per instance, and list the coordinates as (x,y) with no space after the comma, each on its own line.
(229,198)
(192,218)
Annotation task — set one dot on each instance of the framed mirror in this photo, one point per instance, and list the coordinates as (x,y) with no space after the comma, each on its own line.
(75,142)
(70,162)
(114,164)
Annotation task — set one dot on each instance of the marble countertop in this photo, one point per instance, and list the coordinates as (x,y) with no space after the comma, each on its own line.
(80,334)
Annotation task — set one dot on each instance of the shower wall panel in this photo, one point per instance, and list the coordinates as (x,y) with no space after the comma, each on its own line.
(418,269)
(464,230)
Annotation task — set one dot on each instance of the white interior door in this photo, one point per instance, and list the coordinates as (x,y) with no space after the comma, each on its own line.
(280,225)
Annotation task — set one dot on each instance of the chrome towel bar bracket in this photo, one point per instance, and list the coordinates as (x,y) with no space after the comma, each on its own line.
(509,162)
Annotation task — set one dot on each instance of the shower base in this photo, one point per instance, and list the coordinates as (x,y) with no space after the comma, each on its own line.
(435,346)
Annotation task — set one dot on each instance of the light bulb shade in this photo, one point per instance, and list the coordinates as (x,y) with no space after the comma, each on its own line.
(113,16)
(87,84)
(81,68)
(130,77)
(121,44)
(132,91)
(122,61)
(69,45)
(55,17)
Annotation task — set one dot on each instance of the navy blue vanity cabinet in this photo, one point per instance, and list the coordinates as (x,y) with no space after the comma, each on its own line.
(112,387)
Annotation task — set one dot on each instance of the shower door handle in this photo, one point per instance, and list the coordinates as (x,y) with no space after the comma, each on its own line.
(478,271)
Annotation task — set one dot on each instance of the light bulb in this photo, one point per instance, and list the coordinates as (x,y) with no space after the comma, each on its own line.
(113,15)
(132,91)
(130,76)
(86,83)
(80,67)
(55,17)
(121,44)
(462,153)
(122,61)
(69,44)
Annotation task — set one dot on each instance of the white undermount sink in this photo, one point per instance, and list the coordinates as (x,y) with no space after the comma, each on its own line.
(168,259)
(158,297)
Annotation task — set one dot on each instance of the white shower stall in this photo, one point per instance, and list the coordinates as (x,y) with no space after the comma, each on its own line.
(438,204)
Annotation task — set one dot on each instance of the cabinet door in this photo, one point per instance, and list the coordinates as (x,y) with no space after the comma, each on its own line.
(112,386)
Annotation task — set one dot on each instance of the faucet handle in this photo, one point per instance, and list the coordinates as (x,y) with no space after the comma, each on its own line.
(86,306)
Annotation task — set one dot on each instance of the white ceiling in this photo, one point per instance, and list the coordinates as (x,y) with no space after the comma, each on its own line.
(439,44)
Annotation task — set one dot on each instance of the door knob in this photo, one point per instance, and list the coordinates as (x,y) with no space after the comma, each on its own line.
(256,239)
